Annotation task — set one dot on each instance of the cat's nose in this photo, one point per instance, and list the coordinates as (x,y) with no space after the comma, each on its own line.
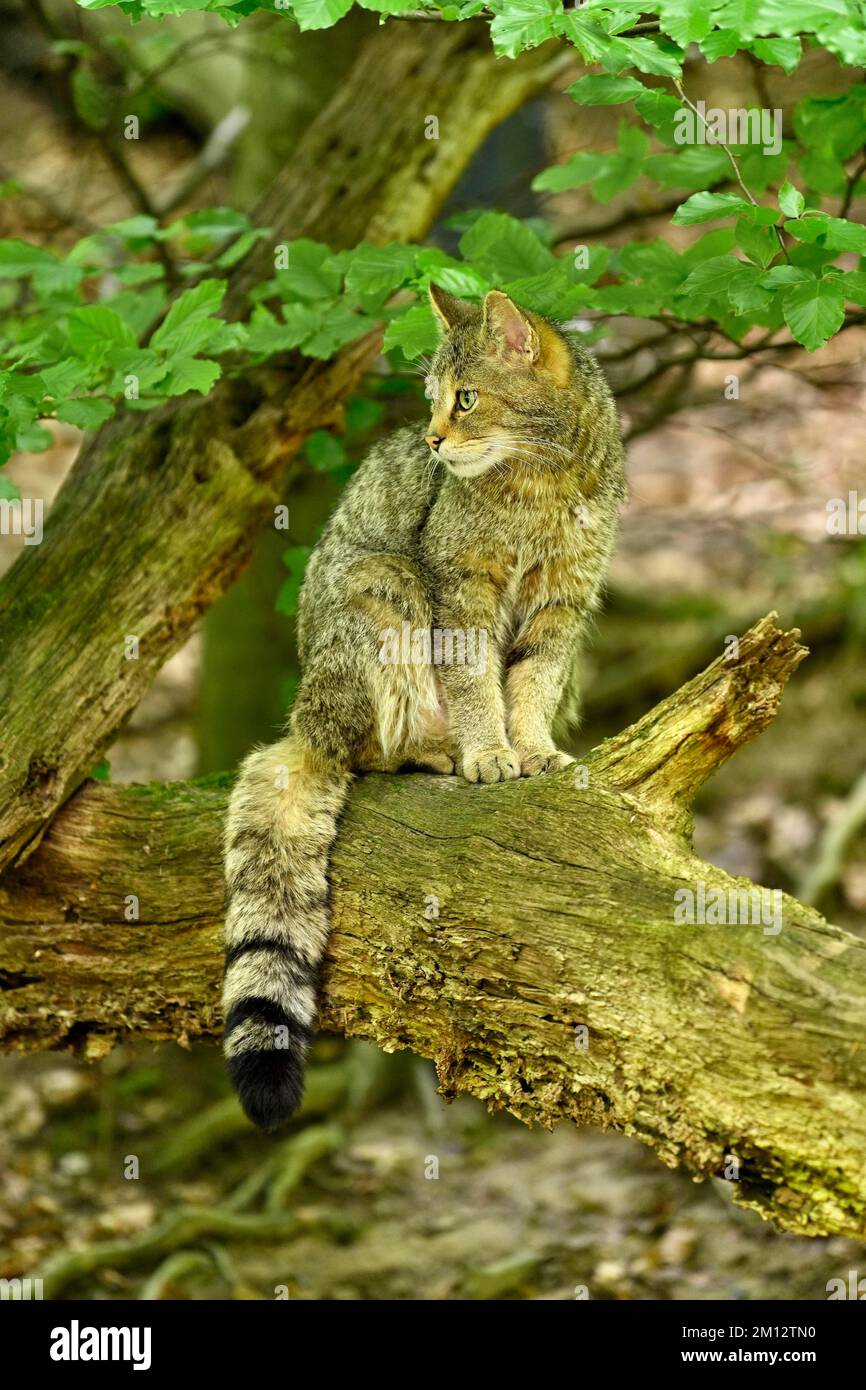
(434,440)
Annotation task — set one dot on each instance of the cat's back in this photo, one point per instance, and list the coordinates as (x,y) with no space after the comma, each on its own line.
(387,500)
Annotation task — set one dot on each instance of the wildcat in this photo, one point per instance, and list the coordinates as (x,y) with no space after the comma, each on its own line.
(501,521)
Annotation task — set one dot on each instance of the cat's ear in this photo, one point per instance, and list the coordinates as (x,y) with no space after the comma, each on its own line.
(510,332)
(449,310)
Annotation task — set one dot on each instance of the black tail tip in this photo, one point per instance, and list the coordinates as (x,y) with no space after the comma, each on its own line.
(270,1086)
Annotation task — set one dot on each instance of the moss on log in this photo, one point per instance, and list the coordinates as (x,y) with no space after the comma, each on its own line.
(523,936)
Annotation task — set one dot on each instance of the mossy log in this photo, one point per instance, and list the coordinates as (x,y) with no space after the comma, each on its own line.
(160,511)
(521,935)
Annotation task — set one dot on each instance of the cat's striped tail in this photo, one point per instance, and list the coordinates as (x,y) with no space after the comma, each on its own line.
(281,823)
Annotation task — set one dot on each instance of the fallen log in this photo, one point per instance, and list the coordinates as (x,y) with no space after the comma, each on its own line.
(529,937)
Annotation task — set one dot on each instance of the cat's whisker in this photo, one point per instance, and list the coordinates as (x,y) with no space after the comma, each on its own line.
(532,457)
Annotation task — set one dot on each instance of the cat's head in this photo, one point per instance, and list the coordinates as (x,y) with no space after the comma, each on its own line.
(501,386)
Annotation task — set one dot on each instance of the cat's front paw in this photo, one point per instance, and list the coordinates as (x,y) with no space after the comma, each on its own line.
(535,762)
(491,765)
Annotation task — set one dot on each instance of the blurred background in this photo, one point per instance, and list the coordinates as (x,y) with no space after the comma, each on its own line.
(393,1193)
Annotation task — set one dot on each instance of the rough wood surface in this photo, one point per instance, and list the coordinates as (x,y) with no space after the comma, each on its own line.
(160,512)
(485,927)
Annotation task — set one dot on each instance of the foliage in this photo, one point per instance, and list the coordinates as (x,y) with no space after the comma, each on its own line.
(133,314)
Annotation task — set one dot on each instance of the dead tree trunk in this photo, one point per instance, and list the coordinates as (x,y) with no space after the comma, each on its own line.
(523,936)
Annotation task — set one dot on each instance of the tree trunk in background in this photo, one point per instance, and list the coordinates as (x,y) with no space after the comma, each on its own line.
(250,657)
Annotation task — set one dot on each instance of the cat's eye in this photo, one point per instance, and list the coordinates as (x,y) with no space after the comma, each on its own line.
(466,399)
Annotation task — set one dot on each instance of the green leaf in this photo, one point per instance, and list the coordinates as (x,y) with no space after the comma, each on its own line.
(657,262)
(87,412)
(208,227)
(96,330)
(711,278)
(362,415)
(503,248)
(521,24)
(581,168)
(91,99)
(786,275)
(610,174)
(65,377)
(190,309)
(814,311)
(374,272)
(603,89)
(33,439)
(687,21)
(644,54)
(295,559)
(414,333)
(710,244)
(659,109)
(319,14)
(782,53)
(452,275)
(704,207)
(138,273)
(759,243)
(139,308)
(835,233)
(339,325)
(853,285)
(587,35)
(752,18)
(308,274)
(721,43)
(324,451)
(8,491)
(791,200)
(20,258)
(551,294)
(190,374)
(823,173)
(694,167)
(146,366)
(266,336)
(141,227)
(240,248)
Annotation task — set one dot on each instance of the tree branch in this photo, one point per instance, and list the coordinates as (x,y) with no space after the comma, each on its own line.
(487,928)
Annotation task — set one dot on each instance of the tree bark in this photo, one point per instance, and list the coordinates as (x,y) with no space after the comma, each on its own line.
(487,928)
(160,511)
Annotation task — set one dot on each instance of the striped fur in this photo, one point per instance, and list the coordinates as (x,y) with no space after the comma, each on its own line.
(281,824)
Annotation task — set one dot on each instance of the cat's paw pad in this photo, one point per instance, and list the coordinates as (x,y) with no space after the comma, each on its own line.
(533,764)
(491,765)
